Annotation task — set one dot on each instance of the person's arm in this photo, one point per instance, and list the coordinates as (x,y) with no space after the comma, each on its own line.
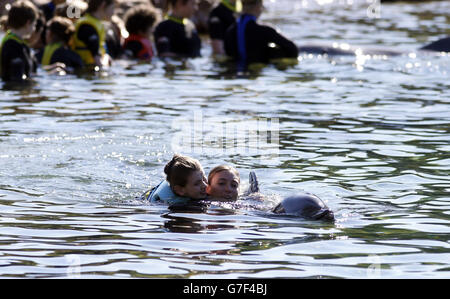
(132,49)
(16,69)
(218,47)
(287,47)
(88,35)
(216,34)
(163,47)
(13,64)
(162,41)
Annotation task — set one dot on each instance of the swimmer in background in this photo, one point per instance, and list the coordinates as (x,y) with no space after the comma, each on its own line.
(185,182)
(248,42)
(90,33)
(58,35)
(177,36)
(220,19)
(139,22)
(17,63)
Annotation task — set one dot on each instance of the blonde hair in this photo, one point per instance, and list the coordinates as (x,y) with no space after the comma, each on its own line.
(220,168)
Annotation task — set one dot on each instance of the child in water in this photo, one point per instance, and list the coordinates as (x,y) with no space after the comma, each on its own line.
(58,35)
(177,36)
(223,183)
(90,33)
(185,181)
(139,22)
(16,60)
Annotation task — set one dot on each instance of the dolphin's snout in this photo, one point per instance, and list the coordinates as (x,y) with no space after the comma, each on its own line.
(325,214)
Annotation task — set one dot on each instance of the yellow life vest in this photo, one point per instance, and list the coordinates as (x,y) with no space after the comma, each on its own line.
(9,35)
(237,7)
(80,47)
(48,52)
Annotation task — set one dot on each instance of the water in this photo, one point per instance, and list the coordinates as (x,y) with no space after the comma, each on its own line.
(368,136)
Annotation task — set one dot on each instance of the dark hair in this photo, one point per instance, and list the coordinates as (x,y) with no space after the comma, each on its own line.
(179,169)
(93,5)
(173,2)
(62,28)
(249,3)
(140,18)
(220,168)
(21,12)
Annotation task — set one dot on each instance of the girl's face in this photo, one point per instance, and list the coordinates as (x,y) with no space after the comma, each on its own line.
(224,184)
(31,29)
(195,187)
(187,10)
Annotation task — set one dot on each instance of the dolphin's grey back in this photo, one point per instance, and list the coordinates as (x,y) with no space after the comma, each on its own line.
(305,205)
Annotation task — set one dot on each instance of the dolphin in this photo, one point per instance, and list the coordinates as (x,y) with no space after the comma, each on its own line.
(305,205)
(343,49)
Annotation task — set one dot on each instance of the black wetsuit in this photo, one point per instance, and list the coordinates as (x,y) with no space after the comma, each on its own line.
(262,43)
(112,41)
(17,62)
(48,10)
(87,34)
(220,19)
(63,54)
(175,37)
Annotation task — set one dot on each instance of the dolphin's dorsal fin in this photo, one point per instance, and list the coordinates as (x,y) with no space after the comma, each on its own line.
(253,185)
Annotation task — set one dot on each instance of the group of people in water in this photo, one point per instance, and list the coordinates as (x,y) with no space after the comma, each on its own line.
(49,36)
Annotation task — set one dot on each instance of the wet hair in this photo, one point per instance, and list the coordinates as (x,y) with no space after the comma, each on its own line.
(62,28)
(220,168)
(21,12)
(251,2)
(180,168)
(247,4)
(140,18)
(174,2)
(93,5)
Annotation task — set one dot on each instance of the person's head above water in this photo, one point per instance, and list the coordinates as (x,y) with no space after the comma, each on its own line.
(59,29)
(253,7)
(22,18)
(101,9)
(223,182)
(186,177)
(183,8)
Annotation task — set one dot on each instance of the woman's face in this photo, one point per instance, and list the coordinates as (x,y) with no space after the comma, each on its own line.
(224,185)
(195,187)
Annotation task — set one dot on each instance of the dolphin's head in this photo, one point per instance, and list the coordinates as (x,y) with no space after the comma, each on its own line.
(305,205)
